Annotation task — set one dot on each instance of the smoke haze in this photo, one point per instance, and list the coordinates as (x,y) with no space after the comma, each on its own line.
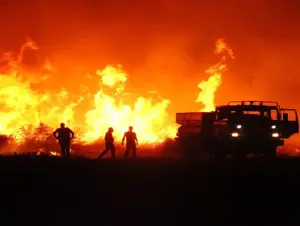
(164,45)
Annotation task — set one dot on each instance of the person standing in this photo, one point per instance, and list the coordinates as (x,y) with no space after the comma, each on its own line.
(131,142)
(64,135)
(109,144)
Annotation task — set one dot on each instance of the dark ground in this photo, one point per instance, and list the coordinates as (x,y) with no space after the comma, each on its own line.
(52,191)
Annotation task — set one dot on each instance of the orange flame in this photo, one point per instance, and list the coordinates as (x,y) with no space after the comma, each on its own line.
(22,107)
(25,109)
(148,118)
(42,151)
(209,87)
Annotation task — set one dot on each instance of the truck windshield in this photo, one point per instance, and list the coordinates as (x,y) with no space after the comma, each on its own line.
(255,113)
(269,114)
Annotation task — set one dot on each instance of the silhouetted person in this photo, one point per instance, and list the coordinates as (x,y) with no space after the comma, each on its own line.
(131,142)
(64,136)
(109,144)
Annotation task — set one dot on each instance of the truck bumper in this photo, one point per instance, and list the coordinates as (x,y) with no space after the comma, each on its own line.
(249,146)
(257,142)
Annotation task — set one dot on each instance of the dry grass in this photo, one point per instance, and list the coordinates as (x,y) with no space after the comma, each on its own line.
(41,140)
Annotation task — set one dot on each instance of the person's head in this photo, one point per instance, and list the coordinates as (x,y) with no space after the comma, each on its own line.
(110,129)
(62,125)
(130,128)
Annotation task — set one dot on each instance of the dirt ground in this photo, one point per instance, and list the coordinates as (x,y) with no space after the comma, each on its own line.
(52,191)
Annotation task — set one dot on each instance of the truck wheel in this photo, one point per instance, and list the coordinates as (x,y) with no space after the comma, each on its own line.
(270,152)
(217,151)
(220,155)
(239,155)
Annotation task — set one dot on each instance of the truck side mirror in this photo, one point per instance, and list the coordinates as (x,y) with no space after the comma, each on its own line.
(285,117)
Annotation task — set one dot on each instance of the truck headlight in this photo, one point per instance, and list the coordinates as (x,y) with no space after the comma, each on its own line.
(238,126)
(235,134)
(275,134)
(273,126)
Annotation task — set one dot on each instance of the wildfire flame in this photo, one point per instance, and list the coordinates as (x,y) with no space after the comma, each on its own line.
(113,77)
(210,86)
(150,120)
(42,151)
(24,111)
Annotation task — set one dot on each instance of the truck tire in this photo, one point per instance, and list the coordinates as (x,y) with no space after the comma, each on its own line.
(220,155)
(270,152)
(218,152)
(239,155)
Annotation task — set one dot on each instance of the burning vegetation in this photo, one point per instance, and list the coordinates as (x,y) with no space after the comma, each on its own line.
(209,87)
(29,117)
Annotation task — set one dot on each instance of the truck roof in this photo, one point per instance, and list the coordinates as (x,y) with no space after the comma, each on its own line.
(247,108)
(250,105)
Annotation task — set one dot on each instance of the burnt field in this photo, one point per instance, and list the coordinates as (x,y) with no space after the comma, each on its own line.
(44,190)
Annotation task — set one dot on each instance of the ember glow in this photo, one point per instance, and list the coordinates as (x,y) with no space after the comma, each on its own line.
(24,110)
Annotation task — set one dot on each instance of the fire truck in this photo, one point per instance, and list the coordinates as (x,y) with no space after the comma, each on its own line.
(238,128)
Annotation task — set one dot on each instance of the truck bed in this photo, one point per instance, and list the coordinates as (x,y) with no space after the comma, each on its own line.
(189,118)
(194,118)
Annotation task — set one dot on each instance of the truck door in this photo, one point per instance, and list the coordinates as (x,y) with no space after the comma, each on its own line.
(289,122)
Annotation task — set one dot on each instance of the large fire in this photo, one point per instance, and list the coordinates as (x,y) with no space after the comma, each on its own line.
(209,87)
(26,113)
(150,120)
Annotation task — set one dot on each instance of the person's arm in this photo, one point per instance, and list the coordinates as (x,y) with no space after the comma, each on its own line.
(106,137)
(54,133)
(72,134)
(123,138)
(113,138)
(136,140)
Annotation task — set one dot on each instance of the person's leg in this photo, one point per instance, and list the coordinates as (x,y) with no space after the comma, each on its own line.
(103,153)
(62,149)
(67,150)
(113,152)
(127,151)
(107,147)
(133,151)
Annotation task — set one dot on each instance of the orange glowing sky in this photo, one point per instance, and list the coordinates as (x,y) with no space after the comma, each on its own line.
(164,46)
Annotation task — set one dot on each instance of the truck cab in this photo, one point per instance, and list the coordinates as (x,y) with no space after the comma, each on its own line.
(241,127)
